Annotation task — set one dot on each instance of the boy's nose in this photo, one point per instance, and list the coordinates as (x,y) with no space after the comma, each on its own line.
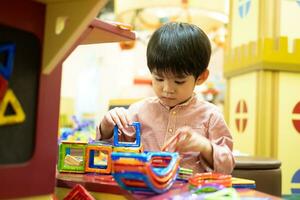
(168,88)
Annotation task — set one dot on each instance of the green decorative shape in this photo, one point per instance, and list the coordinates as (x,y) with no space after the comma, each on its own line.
(63,152)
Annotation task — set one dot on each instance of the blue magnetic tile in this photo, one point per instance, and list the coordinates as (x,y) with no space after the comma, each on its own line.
(6,66)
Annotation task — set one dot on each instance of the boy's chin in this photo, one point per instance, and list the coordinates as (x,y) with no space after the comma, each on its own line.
(169,103)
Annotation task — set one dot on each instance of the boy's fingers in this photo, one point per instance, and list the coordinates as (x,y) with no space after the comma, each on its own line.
(122,113)
(167,145)
(108,120)
(182,145)
(125,116)
(129,131)
(171,142)
(170,146)
(179,141)
(115,117)
(183,142)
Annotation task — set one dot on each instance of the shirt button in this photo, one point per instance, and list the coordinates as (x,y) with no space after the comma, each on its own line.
(174,112)
(170,130)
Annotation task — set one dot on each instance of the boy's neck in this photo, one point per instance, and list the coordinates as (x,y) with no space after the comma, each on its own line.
(184,102)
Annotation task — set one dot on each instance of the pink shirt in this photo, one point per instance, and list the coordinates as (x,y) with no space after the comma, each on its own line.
(159,123)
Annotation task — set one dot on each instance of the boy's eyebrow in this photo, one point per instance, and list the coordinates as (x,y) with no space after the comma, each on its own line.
(180,77)
(158,75)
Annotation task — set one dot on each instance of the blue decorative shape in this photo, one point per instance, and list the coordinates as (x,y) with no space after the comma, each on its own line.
(296,179)
(247,7)
(91,161)
(6,68)
(241,11)
(298,2)
(137,142)
(244,7)
(68,151)
(147,156)
(121,176)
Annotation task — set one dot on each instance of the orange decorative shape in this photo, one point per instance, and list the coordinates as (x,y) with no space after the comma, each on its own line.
(141,80)
(91,167)
(129,149)
(210,177)
(127,44)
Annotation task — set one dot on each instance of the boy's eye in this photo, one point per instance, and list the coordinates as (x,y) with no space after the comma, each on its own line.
(179,82)
(159,79)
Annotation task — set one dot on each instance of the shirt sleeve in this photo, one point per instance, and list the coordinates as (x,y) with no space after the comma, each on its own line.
(222,144)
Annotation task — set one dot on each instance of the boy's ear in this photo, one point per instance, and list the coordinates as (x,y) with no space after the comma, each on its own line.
(202,77)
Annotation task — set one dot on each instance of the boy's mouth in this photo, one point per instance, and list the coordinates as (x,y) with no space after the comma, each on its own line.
(168,98)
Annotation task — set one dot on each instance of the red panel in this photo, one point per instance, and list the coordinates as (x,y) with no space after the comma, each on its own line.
(79,193)
(296,122)
(244,125)
(296,109)
(3,87)
(37,176)
(26,15)
(238,107)
(237,124)
(245,107)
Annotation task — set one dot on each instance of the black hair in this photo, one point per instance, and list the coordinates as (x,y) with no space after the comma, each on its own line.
(178,48)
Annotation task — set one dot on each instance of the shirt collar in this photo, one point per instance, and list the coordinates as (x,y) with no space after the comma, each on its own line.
(189,101)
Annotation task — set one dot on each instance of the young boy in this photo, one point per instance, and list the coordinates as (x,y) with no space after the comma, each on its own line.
(177,120)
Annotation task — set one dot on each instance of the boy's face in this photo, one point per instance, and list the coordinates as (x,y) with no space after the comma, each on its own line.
(172,90)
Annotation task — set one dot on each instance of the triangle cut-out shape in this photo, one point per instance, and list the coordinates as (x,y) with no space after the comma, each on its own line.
(9,110)
(16,108)
(7,55)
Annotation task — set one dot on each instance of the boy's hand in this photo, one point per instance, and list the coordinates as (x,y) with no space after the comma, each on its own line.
(116,116)
(186,140)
